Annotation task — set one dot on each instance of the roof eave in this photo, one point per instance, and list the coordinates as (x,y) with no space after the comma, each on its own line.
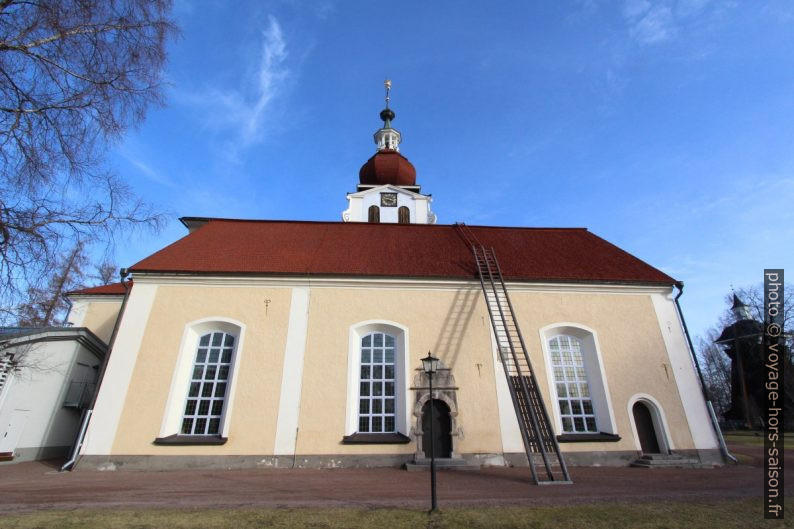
(193,223)
(559,280)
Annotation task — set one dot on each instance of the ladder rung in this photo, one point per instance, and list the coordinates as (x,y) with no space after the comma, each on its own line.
(536,432)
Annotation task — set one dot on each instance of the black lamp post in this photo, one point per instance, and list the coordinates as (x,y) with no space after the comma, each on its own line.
(430,366)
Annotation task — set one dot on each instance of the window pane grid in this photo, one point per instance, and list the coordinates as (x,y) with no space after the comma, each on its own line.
(207,390)
(573,391)
(376,388)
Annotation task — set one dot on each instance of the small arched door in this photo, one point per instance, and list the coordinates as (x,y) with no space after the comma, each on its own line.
(442,429)
(643,420)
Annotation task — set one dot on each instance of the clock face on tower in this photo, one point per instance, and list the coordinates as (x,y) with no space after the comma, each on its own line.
(388,200)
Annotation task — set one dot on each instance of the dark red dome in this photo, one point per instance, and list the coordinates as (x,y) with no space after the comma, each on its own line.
(388,167)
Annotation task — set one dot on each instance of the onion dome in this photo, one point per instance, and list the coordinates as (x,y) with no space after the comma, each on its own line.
(387,166)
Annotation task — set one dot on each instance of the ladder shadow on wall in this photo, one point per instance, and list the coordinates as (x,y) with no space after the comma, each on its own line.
(456,322)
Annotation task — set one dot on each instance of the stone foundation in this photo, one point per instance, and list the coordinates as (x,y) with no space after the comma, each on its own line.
(180,462)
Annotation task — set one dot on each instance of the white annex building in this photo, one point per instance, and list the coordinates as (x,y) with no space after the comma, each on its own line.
(281,343)
(47,380)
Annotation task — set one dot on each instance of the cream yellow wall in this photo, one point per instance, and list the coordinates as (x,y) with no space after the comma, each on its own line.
(632,349)
(254,415)
(451,324)
(100,318)
(631,346)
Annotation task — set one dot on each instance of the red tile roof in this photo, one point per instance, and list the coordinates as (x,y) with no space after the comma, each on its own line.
(226,246)
(113,289)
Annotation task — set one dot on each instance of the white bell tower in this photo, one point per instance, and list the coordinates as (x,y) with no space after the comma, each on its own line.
(387,190)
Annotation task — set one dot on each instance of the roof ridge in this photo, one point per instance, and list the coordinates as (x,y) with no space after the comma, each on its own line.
(383,224)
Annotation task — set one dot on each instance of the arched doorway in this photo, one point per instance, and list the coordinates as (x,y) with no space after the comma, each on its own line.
(442,429)
(646,431)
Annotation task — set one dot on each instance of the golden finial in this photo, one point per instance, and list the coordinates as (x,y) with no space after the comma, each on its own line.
(387,84)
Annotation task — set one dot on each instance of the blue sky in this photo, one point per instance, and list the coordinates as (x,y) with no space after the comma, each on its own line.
(665,127)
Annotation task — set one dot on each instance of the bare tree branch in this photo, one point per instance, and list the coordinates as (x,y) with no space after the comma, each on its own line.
(74,75)
(716,365)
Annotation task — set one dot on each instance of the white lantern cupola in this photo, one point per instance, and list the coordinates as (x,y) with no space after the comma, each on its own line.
(387,190)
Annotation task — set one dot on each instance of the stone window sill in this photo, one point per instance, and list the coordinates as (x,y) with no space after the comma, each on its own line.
(177,439)
(375,438)
(588,438)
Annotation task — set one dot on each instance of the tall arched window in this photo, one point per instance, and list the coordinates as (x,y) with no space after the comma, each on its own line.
(378,399)
(374,214)
(200,403)
(577,380)
(404,215)
(573,390)
(208,384)
(376,402)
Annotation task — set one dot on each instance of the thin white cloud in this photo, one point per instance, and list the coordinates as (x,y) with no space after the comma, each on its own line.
(270,76)
(240,114)
(649,23)
(685,8)
(146,170)
(779,11)
(633,9)
(323,10)
(656,21)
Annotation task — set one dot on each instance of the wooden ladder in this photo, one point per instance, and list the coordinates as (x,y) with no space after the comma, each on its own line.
(543,452)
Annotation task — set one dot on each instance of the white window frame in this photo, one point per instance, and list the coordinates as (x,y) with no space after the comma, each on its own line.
(594,368)
(183,368)
(401,373)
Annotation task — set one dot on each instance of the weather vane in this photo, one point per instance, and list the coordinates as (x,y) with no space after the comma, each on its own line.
(387,84)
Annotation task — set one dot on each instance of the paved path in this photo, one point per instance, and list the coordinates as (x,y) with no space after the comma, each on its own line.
(35,486)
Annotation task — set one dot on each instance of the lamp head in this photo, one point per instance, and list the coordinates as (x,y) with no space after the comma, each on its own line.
(430,364)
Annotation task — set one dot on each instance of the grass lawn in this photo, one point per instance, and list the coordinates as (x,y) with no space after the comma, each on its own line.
(754,438)
(742,514)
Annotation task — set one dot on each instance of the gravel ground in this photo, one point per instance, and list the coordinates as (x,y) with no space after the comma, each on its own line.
(38,486)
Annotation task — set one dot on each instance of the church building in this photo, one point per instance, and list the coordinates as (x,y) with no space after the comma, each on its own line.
(266,343)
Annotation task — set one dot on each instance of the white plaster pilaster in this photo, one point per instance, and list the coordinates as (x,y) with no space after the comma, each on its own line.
(508,423)
(686,379)
(292,374)
(118,373)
